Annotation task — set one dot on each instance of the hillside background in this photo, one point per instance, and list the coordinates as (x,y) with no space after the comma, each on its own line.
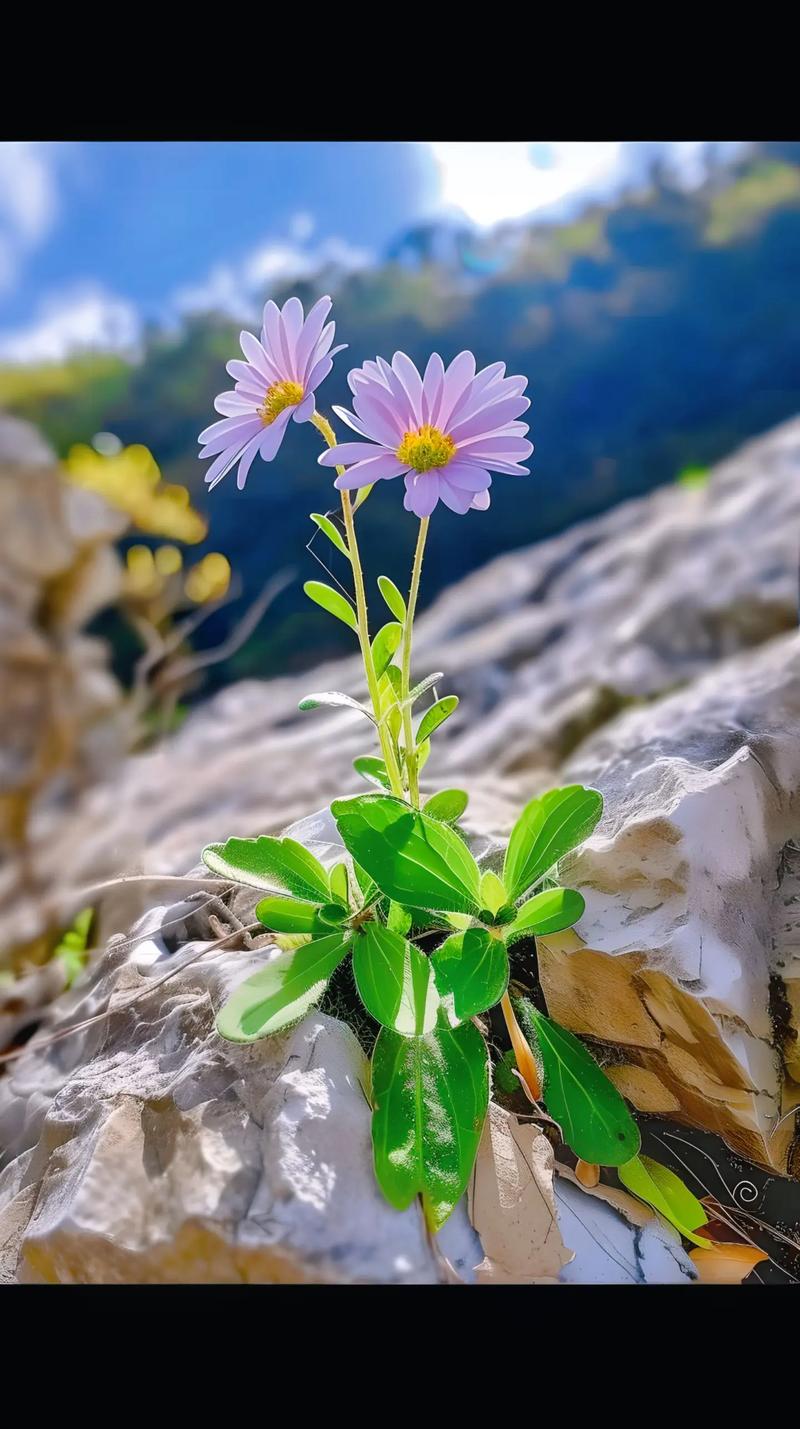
(657,332)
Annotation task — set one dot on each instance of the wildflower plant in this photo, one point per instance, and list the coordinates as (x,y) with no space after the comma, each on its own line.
(428,928)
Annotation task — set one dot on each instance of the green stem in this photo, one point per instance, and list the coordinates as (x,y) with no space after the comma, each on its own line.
(408,733)
(325,429)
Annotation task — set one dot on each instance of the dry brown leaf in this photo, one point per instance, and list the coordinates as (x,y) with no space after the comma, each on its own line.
(634,1211)
(726,1264)
(512,1204)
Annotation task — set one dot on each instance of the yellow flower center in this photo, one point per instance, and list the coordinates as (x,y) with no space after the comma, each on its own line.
(426,448)
(279,396)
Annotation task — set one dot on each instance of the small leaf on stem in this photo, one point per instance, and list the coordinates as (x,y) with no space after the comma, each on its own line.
(393,598)
(330,600)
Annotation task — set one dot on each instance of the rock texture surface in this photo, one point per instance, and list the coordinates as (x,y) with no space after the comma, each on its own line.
(61,709)
(148,1150)
(144,1149)
(543,646)
(688,888)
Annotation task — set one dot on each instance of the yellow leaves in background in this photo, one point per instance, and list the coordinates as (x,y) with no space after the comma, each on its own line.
(209,579)
(148,574)
(131,481)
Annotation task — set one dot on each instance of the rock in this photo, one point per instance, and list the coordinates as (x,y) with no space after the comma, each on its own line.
(691,911)
(543,645)
(147,1149)
(58,568)
(609,1251)
(22,444)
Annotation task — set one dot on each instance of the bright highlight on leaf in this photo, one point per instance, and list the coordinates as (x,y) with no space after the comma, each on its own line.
(332,532)
(547,912)
(666,1193)
(384,646)
(333,697)
(493,893)
(340,887)
(330,600)
(268,862)
(436,715)
(393,598)
(415,860)
(279,994)
(546,830)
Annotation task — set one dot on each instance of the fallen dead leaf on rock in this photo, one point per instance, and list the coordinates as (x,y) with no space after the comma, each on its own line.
(726,1264)
(512,1204)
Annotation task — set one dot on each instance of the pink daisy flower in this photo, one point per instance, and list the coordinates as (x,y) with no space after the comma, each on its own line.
(276,382)
(445,432)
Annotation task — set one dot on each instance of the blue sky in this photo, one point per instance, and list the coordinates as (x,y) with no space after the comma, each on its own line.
(97,238)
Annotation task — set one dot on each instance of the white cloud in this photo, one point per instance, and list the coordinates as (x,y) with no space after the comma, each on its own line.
(83,319)
(301,227)
(29,174)
(491,182)
(238,289)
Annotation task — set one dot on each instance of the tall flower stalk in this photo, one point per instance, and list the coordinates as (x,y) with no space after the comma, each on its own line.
(325,429)
(412,758)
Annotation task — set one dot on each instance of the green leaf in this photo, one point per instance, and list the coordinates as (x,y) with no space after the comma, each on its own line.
(71,950)
(447,806)
(288,915)
(394,981)
(548,912)
(393,598)
(594,1120)
(333,697)
(436,715)
(415,860)
(398,919)
(666,1193)
(547,829)
(332,601)
(265,862)
(423,754)
(373,770)
(505,1076)
(339,885)
(340,889)
(384,646)
(430,1096)
(369,888)
(471,973)
(389,690)
(281,993)
(493,893)
(332,532)
(333,914)
(361,495)
(420,689)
